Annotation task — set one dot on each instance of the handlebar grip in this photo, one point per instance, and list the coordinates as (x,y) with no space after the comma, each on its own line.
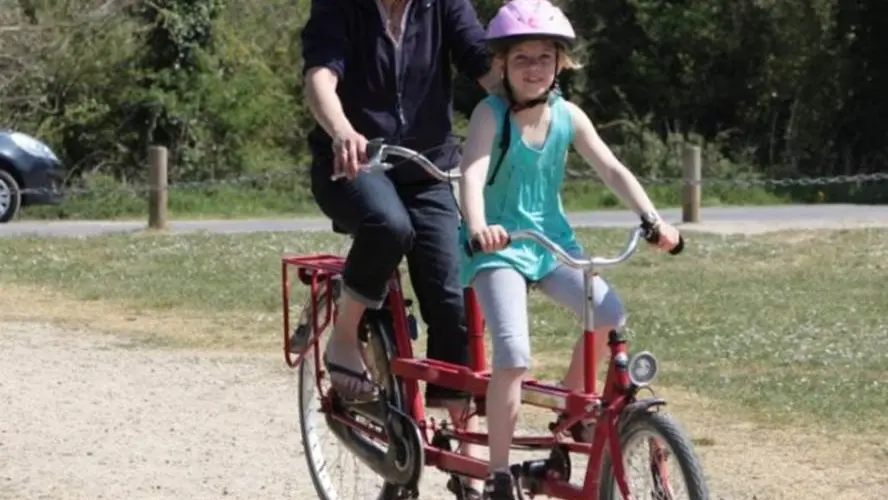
(652,235)
(678,248)
(473,246)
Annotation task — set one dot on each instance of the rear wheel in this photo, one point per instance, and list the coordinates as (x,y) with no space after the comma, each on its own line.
(330,461)
(659,461)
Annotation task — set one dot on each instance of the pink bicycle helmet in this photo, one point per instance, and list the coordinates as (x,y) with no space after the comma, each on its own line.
(519,19)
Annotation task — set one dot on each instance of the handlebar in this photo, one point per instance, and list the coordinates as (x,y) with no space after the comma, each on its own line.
(378,151)
(645,231)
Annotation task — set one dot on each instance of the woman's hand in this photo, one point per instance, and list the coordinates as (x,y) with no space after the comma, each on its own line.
(349,153)
(491,238)
(669,236)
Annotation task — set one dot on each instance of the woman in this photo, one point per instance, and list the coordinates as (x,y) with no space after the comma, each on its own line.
(381,68)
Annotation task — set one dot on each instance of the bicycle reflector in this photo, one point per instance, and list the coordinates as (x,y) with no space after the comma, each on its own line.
(642,368)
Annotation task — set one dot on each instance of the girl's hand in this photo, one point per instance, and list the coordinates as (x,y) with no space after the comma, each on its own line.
(491,238)
(669,236)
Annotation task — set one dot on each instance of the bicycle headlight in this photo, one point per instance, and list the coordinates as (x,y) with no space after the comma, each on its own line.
(642,368)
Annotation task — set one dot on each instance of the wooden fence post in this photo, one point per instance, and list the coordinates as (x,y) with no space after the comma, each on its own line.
(691,158)
(157,187)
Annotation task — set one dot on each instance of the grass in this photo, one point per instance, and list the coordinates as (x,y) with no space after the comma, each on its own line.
(112,202)
(788,327)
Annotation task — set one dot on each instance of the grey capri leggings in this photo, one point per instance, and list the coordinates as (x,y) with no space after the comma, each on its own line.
(502,294)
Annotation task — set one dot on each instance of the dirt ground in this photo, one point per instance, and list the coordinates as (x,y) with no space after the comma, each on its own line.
(86,414)
(90,416)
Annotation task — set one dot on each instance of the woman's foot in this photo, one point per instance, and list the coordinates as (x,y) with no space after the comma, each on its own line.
(348,372)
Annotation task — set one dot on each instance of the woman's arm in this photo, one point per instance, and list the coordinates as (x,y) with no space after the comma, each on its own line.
(324,104)
(617,177)
(325,45)
(474,165)
(465,38)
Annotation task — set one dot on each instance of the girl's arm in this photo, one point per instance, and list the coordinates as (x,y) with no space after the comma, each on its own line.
(474,165)
(593,149)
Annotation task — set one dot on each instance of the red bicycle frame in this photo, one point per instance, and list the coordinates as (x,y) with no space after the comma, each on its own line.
(316,270)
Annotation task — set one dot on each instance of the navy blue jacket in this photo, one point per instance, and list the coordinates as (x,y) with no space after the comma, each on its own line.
(414,107)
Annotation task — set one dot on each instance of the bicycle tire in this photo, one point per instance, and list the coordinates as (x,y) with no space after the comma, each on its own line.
(667,429)
(377,336)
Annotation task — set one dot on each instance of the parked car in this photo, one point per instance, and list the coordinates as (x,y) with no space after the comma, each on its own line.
(30,174)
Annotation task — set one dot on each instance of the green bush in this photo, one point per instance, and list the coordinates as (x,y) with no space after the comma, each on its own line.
(768,90)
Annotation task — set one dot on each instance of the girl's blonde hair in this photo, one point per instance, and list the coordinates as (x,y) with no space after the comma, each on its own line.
(565,59)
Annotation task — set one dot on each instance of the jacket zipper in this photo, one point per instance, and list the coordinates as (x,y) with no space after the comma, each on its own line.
(397,65)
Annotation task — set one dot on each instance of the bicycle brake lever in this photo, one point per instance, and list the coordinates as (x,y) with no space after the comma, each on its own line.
(383,165)
(375,148)
(374,151)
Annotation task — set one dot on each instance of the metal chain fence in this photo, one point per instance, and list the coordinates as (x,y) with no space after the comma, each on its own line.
(289,174)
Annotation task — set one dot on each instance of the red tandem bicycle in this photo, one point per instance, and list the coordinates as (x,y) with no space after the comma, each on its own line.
(394,437)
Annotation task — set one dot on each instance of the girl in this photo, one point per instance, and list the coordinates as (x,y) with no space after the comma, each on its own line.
(513,168)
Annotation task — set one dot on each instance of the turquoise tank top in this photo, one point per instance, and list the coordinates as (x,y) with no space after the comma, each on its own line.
(526,194)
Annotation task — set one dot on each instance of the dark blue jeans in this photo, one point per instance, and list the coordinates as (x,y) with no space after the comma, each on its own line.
(389,221)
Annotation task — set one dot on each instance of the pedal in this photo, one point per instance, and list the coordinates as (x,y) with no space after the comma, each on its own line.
(406,493)
(530,474)
(442,442)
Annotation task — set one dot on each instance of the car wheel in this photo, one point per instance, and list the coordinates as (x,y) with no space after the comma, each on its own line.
(10,197)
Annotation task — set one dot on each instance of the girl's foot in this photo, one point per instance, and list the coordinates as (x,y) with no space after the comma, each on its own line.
(499,486)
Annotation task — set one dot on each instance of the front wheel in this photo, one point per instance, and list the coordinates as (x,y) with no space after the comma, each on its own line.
(651,473)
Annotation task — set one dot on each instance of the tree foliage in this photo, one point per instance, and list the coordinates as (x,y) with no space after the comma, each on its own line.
(778,88)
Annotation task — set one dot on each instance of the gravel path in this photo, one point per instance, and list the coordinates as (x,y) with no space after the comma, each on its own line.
(95,416)
(89,415)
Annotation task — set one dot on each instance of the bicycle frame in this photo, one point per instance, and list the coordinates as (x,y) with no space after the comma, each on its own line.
(606,408)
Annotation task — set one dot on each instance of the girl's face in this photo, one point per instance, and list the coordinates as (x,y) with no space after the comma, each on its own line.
(531,68)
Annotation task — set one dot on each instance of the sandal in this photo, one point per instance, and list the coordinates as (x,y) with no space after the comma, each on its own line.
(352,387)
(501,486)
(459,486)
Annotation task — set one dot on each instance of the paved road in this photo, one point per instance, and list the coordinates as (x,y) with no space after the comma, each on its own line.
(784,215)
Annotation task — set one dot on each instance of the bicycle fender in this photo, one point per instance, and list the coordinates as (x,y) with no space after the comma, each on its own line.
(643,405)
